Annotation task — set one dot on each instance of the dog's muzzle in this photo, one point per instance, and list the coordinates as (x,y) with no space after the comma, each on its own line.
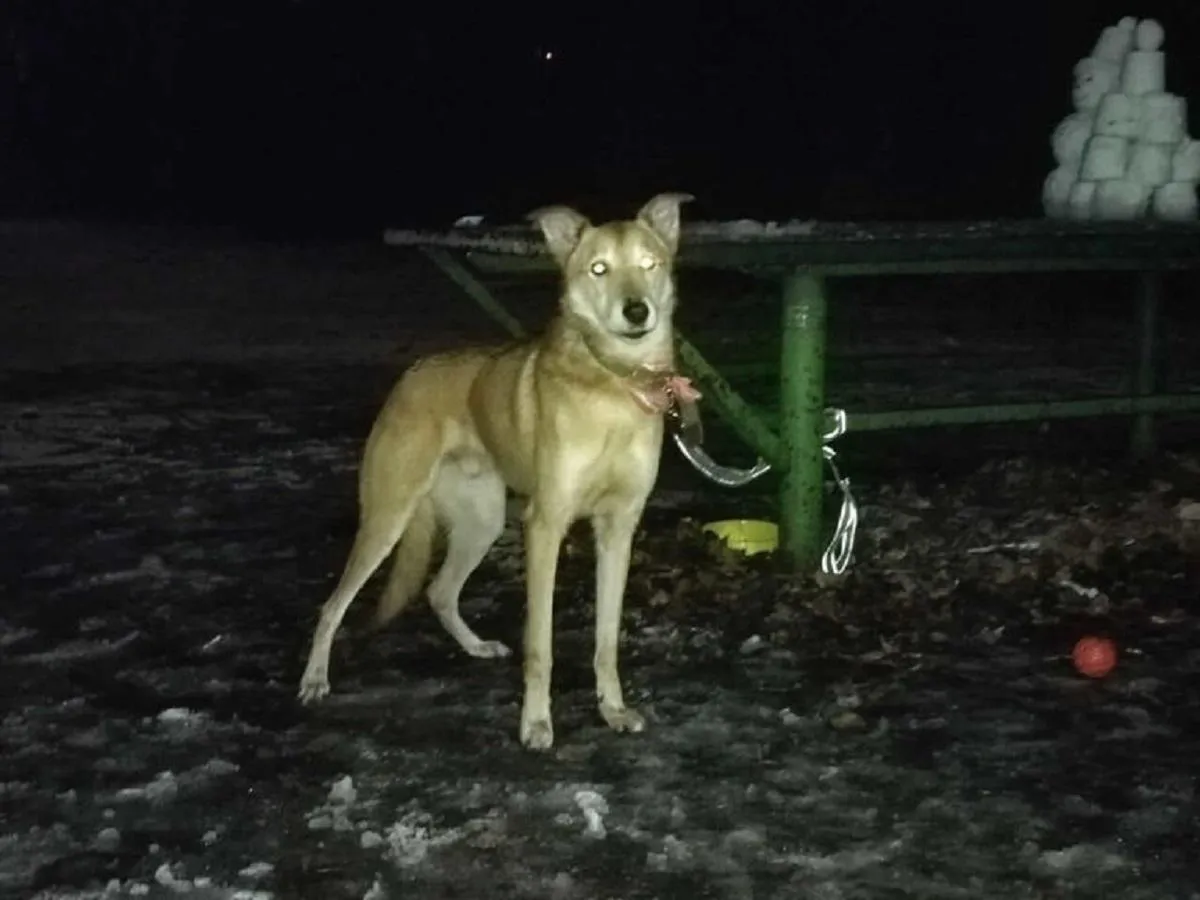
(636,311)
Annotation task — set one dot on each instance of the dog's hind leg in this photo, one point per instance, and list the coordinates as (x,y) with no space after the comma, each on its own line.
(469,499)
(398,471)
(375,539)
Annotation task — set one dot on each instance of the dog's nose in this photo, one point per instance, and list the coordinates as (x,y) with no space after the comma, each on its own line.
(636,310)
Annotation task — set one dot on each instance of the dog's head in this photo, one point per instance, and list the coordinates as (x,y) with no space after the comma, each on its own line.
(619,280)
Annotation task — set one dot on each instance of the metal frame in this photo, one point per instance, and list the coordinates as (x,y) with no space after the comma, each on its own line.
(806,258)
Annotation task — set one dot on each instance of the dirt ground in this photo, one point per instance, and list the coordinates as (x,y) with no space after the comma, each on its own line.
(180,420)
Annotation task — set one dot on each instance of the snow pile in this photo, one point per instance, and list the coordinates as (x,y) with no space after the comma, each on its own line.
(1124,153)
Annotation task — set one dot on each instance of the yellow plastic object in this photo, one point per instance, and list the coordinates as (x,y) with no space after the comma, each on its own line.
(749,536)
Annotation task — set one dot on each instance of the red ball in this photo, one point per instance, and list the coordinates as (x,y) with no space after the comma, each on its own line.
(1094,657)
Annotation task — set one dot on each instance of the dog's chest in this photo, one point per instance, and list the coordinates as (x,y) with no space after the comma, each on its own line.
(611,453)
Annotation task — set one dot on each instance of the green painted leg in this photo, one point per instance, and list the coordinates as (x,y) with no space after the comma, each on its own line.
(1146,380)
(746,421)
(475,289)
(802,405)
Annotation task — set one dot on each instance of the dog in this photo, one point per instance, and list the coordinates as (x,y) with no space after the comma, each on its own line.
(572,421)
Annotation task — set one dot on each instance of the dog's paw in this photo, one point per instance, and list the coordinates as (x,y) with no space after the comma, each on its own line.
(488,650)
(537,734)
(313,688)
(622,718)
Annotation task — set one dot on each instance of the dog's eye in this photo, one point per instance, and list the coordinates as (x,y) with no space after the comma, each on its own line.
(599,268)
(648,263)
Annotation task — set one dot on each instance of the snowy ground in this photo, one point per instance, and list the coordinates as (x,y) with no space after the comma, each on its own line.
(179,426)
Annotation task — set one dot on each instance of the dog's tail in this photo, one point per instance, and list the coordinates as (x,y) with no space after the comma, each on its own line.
(410,563)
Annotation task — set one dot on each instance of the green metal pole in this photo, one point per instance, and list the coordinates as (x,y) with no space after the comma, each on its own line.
(1146,373)
(461,275)
(802,408)
(746,421)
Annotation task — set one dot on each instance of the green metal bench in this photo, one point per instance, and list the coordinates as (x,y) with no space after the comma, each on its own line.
(804,258)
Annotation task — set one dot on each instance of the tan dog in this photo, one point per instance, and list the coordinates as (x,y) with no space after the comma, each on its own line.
(571,420)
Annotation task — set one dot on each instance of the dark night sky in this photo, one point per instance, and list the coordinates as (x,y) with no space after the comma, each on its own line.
(349,115)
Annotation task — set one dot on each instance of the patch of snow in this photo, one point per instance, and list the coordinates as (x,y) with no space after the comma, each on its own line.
(257,870)
(747,229)
(370,840)
(216,767)
(11,790)
(23,853)
(74,651)
(411,839)
(150,566)
(175,714)
(594,807)
(1081,858)
(320,822)
(844,861)
(107,840)
(180,723)
(753,644)
(335,812)
(789,718)
(162,789)
(343,792)
(674,853)
(165,875)
(11,634)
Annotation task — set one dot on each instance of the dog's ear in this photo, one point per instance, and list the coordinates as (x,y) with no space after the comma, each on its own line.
(661,214)
(562,228)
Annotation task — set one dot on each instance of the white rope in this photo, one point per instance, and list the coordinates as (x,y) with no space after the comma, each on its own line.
(836,558)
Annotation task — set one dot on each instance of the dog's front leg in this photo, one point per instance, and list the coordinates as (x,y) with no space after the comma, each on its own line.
(614,542)
(544,531)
